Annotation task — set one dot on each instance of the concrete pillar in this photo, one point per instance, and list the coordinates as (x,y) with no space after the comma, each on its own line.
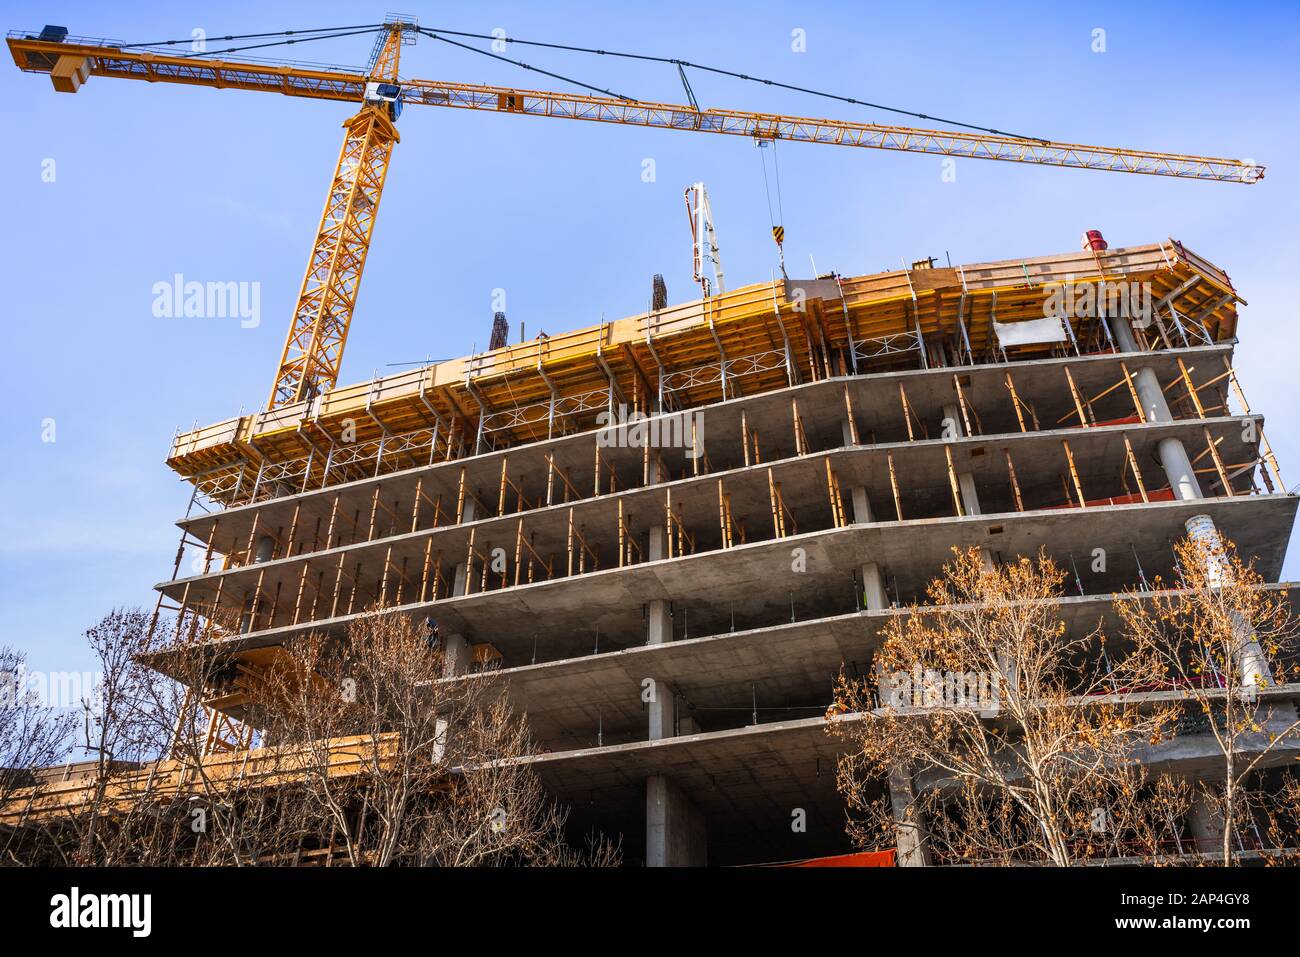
(659,619)
(970,499)
(857,493)
(460,577)
(1251,660)
(1178,468)
(1125,341)
(662,711)
(265,549)
(953,425)
(873,588)
(1145,382)
(655,545)
(441,728)
(861,505)
(912,847)
(1173,456)
(675,833)
(659,622)
(873,582)
(1151,395)
(1205,821)
(455,652)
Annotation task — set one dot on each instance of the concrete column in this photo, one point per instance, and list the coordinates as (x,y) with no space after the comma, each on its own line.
(675,833)
(912,847)
(1251,660)
(1178,468)
(441,727)
(455,652)
(460,577)
(952,413)
(873,582)
(857,493)
(659,619)
(1145,382)
(1151,395)
(659,622)
(873,588)
(265,549)
(1173,456)
(861,505)
(970,499)
(662,711)
(1205,821)
(655,544)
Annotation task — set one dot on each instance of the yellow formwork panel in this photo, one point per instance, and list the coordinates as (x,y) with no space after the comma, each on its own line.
(759,318)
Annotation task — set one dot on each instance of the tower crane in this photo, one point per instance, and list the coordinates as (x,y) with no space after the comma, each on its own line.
(318,331)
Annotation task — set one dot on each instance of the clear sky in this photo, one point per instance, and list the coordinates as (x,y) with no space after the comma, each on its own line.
(155,180)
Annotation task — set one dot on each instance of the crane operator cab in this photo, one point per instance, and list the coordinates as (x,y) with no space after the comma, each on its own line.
(385,94)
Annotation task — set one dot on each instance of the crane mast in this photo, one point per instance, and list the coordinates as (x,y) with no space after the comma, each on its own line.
(318,331)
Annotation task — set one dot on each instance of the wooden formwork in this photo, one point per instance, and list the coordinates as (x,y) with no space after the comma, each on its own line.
(753,339)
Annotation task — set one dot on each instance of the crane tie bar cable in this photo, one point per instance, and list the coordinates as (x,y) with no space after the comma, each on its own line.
(325,33)
(744,76)
(259,46)
(496,56)
(254,36)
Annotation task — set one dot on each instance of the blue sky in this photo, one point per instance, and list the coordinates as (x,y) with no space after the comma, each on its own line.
(154,180)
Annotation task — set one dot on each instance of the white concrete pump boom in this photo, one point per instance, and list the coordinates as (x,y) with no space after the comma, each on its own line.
(704,239)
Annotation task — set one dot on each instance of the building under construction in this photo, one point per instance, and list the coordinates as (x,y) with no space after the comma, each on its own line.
(723,500)
(864,425)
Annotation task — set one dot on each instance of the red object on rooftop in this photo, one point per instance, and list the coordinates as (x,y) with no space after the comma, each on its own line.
(1094,241)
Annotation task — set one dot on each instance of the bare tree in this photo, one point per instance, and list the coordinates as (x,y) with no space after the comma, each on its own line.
(1223,639)
(407,765)
(33,735)
(1023,737)
(364,753)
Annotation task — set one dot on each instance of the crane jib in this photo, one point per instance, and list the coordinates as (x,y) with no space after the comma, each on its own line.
(62,58)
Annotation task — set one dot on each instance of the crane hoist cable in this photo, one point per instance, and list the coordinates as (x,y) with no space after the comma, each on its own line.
(776,217)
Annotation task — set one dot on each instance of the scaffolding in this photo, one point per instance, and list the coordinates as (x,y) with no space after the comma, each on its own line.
(754,339)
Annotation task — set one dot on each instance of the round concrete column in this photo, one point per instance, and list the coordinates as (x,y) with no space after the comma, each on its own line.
(1251,661)
(1178,468)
